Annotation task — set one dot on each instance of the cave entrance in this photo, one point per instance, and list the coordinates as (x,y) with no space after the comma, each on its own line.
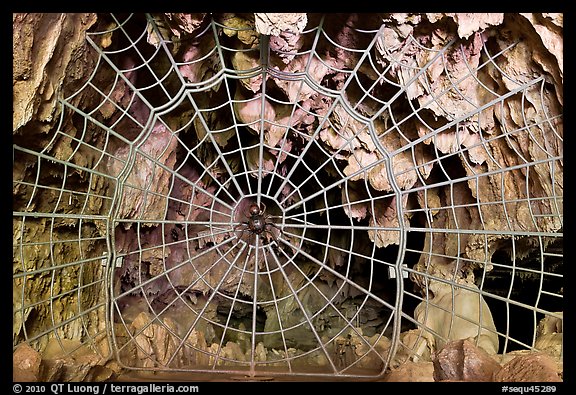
(216,198)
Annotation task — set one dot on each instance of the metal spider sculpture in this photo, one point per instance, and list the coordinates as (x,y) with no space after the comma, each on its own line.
(257,222)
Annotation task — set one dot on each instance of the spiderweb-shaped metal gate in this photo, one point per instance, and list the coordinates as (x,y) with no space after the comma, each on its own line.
(195,146)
